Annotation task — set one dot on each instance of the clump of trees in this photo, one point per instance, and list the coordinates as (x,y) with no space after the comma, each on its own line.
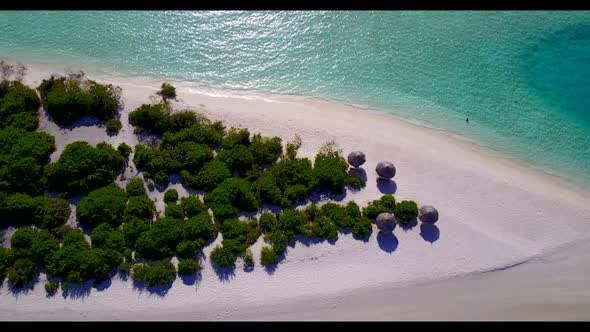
(76,261)
(82,168)
(171,196)
(330,170)
(51,288)
(19,106)
(238,235)
(188,267)
(384,204)
(169,236)
(69,98)
(162,272)
(113,126)
(267,256)
(167,91)
(105,204)
(47,213)
(231,196)
(135,187)
(23,156)
(405,211)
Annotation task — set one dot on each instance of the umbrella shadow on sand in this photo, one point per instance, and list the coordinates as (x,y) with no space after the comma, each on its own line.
(386,186)
(429,232)
(387,242)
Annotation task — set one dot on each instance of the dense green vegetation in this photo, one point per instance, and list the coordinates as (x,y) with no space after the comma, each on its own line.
(167,91)
(405,211)
(238,235)
(19,106)
(23,156)
(188,267)
(106,205)
(67,99)
(51,288)
(82,168)
(161,273)
(246,173)
(42,211)
(113,126)
(385,204)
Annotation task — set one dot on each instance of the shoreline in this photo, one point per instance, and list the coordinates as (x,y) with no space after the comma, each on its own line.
(326,104)
(496,215)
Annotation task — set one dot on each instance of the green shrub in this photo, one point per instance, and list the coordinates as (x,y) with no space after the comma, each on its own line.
(171,196)
(203,131)
(161,239)
(174,210)
(324,227)
(51,288)
(19,106)
(265,150)
(113,126)
(135,187)
(267,256)
(192,205)
(237,158)
(56,214)
(236,136)
(338,214)
(124,150)
(139,207)
(405,211)
(167,91)
(18,208)
(292,147)
(385,204)
(161,179)
(186,249)
(287,181)
(37,246)
(133,229)
(188,155)
(151,117)
(362,227)
(106,237)
(268,221)
(22,272)
(106,204)
(160,119)
(161,273)
(82,168)
(6,260)
(210,176)
(68,99)
(138,272)
(188,267)
(330,169)
(200,227)
(150,185)
(23,155)
(223,257)
(231,196)
(294,221)
(248,259)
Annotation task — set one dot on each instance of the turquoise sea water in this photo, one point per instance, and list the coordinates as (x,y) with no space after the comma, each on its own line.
(522,78)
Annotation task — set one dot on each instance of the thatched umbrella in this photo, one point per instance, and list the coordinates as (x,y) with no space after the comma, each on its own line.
(385,170)
(356,158)
(385,222)
(428,214)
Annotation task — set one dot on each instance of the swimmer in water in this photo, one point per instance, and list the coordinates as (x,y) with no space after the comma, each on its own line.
(467,120)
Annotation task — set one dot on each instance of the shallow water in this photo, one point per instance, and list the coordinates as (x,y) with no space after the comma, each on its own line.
(522,78)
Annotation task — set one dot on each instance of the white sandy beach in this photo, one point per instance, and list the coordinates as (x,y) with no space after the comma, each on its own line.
(511,241)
